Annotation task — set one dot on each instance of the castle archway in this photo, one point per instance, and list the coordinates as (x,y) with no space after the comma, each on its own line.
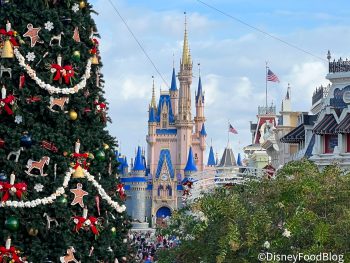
(162,215)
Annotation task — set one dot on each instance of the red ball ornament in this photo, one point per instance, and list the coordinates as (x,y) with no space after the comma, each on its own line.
(2,143)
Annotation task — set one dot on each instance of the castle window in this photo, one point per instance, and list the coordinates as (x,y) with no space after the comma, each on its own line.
(164,121)
(195,156)
(159,189)
(169,190)
(330,141)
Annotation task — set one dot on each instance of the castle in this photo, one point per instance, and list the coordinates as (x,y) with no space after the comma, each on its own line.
(176,147)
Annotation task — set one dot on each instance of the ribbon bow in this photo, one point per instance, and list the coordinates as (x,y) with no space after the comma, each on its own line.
(18,189)
(90,221)
(4,103)
(10,34)
(66,71)
(100,106)
(121,191)
(9,252)
(81,159)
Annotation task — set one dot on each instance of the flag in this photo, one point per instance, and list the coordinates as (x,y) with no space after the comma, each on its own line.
(271,76)
(231,129)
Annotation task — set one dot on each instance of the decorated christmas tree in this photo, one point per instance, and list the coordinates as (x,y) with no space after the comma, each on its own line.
(60,198)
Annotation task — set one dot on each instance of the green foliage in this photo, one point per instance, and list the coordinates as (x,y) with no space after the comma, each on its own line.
(231,225)
(56,127)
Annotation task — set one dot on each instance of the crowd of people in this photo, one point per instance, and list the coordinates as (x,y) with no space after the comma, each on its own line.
(148,243)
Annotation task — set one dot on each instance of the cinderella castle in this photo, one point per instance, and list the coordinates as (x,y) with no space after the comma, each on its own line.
(176,148)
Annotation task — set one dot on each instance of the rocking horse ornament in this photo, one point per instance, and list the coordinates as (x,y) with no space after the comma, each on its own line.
(39,165)
(58,102)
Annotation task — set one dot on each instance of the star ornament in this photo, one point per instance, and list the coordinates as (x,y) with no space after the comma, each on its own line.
(33,34)
(79,193)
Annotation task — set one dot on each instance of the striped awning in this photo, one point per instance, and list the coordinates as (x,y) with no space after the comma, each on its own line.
(326,126)
(295,136)
(344,125)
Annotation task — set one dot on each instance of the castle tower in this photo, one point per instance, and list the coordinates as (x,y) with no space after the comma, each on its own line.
(184,121)
(174,94)
(199,119)
(152,126)
(138,185)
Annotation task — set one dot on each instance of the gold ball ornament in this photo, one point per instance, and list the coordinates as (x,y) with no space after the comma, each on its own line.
(82,4)
(33,231)
(73,115)
(105,146)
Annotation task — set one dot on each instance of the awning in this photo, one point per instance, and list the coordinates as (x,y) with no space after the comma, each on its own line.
(344,125)
(326,126)
(295,136)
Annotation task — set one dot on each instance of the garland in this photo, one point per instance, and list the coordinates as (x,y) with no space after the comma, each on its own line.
(61,190)
(51,89)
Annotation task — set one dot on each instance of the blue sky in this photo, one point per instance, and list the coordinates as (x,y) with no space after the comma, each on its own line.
(232,58)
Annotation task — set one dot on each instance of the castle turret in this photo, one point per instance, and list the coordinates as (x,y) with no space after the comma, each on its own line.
(138,185)
(199,119)
(152,127)
(211,158)
(190,167)
(174,94)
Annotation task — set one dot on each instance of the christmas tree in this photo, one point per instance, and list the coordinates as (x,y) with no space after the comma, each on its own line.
(60,198)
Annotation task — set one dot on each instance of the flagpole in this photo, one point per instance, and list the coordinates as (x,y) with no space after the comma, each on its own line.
(266,67)
(228,133)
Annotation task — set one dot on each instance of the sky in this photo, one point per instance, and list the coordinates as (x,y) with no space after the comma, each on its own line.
(232,58)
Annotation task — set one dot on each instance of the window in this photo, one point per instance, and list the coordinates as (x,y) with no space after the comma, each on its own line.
(169,190)
(348,142)
(330,141)
(164,121)
(159,189)
(195,156)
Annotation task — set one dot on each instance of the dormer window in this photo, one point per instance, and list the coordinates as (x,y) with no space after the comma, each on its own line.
(164,120)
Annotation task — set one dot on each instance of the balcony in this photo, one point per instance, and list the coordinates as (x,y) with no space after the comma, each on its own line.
(269,110)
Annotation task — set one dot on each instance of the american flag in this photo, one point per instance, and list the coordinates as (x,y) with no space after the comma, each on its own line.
(231,129)
(271,76)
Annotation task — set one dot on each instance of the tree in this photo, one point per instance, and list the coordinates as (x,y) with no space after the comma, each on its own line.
(56,155)
(301,211)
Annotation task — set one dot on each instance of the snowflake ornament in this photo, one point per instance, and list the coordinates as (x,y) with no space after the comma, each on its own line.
(266,244)
(75,8)
(30,56)
(49,26)
(286,233)
(18,119)
(38,187)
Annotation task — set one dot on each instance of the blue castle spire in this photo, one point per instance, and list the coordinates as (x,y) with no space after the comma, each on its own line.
(211,159)
(138,164)
(152,115)
(203,132)
(239,161)
(173,82)
(190,166)
(199,91)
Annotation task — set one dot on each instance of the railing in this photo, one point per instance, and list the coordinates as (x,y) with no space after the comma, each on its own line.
(271,110)
(320,93)
(339,66)
(207,181)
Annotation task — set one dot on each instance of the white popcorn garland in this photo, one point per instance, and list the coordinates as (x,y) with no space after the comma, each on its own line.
(103,193)
(52,89)
(61,190)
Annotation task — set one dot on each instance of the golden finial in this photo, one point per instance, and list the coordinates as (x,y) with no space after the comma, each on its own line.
(153,101)
(186,57)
